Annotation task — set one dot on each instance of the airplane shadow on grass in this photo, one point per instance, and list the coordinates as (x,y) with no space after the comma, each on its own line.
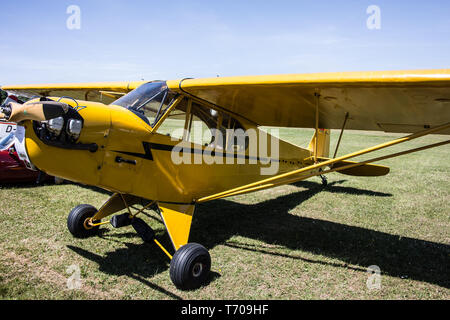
(269,221)
(137,261)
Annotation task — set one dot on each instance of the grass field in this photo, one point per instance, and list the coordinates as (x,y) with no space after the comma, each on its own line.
(298,241)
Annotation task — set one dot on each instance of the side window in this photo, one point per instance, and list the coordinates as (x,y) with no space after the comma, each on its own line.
(188,121)
(174,123)
(236,140)
(218,129)
(201,125)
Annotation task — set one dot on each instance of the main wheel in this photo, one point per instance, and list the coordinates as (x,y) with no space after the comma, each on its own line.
(190,266)
(77,221)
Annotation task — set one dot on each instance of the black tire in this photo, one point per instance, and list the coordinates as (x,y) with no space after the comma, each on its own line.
(190,266)
(76,221)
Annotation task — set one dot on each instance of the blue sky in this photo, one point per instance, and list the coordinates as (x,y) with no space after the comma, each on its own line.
(133,40)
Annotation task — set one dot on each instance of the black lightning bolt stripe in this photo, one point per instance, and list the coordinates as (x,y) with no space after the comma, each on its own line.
(165,147)
(147,155)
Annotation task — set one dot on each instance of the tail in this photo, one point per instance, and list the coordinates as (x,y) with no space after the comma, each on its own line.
(323,143)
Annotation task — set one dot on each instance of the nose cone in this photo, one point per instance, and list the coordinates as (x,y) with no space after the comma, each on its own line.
(70,141)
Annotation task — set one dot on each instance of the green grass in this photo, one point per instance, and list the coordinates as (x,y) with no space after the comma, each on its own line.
(297,241)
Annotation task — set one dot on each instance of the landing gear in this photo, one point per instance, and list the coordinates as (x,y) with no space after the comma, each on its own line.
(78,219)
(190,266)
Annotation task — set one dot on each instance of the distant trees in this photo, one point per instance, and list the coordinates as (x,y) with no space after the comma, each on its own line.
(3,96)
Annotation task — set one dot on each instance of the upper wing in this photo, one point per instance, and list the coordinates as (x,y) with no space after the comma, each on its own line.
(105,92)
(394,101)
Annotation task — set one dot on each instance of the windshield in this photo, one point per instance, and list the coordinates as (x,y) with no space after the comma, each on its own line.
(6,141)
(149,101)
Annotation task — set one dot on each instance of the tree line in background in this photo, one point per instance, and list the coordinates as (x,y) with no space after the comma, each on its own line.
(3,96)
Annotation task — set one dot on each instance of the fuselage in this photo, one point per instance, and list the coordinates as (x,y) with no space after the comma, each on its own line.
(130,157)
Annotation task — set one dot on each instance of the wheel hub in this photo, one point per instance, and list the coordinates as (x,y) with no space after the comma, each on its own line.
(87,224)
(197,269)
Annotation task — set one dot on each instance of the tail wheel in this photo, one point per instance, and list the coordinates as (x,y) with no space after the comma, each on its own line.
(190,266)
(77,221)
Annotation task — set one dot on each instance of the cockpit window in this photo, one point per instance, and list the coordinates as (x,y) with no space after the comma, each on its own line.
(196,123)
(187,121)
(149,101)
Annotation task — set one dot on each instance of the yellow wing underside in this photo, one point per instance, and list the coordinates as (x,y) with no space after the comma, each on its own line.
(392,101)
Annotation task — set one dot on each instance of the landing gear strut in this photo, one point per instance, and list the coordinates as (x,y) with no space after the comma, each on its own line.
(189,266)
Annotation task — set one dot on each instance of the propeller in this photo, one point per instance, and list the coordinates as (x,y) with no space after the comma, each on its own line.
(39,111)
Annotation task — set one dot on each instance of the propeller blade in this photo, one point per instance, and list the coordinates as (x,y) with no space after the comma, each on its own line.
(39,111)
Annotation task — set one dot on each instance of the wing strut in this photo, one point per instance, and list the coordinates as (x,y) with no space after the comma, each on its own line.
(340,135)
(347,167)
(317,96)
(312,170)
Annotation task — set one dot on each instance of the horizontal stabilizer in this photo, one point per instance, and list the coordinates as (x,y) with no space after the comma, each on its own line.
(365,170)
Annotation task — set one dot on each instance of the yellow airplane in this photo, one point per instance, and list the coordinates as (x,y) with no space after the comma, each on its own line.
(141,141)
